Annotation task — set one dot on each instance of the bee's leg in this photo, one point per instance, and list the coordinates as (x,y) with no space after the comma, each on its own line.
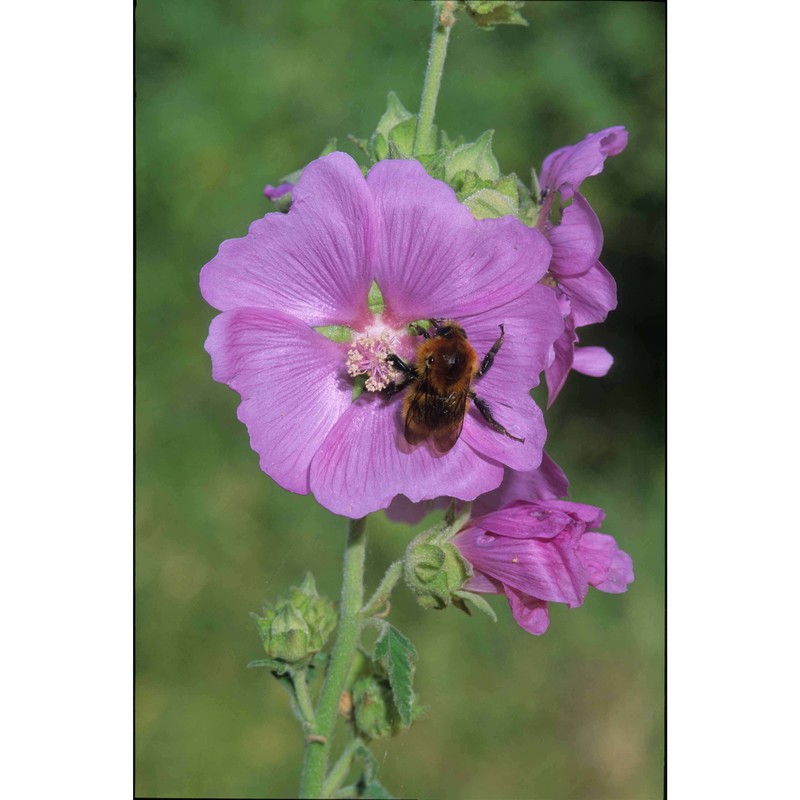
(399,364)
(410,374)
(488,359)
(420,331)
(486,412)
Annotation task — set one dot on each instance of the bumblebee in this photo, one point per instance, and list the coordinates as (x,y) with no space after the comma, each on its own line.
(440,386)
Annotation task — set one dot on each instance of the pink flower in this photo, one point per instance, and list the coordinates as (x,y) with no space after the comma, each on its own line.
(585,288)
(276,192)
(539,552)
(313,267)
(546,482)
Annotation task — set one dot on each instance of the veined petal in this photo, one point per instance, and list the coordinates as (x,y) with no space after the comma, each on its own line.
(546,482)
(610,569)
(434,259)
(564,170)
(577,240)
(593,361)
(591,295)
(313,263)
(545,568)
(525,521)
(478,582)
(532,322)
(522,418)
(530,613)
(293,386)
(557,372)
(591,516)
(365,462)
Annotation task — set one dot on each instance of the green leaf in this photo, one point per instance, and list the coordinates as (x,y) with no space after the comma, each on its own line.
(365,147)
(434,164)
(375,791)
(278,667)
(488,13)
(490,204)
(380,146)
(336,333)
(478,602)
(476,156)
(370,762)
(402,137)
(375,299)
(397,656)
(395,113)
(359,385)
(329,148)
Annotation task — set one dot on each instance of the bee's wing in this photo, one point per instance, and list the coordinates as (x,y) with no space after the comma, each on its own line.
(445,436)
(418,414)
(444,439)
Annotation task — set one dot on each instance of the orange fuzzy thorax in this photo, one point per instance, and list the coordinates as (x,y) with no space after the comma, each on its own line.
(447,362)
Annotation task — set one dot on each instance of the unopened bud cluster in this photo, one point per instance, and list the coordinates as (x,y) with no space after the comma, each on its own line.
(296,626)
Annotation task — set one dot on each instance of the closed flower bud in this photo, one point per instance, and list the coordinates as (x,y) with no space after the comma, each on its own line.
(433,568)
(297,626)
(289,635)
(374,712)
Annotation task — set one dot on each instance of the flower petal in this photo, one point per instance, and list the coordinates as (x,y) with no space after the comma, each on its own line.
(591,516)
(610,569)
(593,361)
(565,169)
(577,240)
(268,358)
(478,582)
(434,259)
(276,192)
(591,295)
(546,482)
(530,613)
(401,509)
(525,521)
(556,373)
(365,462)
(532,322)
(546,568)
(314,262)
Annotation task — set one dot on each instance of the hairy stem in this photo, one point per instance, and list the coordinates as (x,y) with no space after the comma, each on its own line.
(340,769)
(443,19)
(378,600)
(303,699)
(318,744)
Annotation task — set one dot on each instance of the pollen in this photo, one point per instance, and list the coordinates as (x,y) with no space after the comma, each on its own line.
(368,356)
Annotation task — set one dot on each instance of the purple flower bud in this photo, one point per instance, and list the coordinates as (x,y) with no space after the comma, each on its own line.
(540,552)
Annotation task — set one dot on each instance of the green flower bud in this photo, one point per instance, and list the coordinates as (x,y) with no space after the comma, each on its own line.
(298,625)
(433,568)
(374,712)
(289,635)
(488,13)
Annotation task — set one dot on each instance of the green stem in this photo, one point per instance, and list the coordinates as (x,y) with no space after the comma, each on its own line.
(303,699)
(384,591)
(340,769)
(442,22)
(318,744)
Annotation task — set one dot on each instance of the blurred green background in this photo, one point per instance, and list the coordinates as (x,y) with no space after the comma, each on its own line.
(233,94)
